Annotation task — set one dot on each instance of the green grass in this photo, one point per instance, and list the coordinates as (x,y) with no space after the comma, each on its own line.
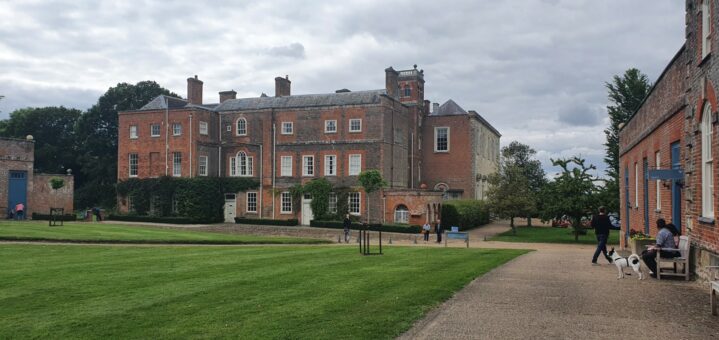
(59,291)
(552,235)
(110,233)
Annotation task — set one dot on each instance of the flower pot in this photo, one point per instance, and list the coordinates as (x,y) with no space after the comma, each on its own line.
(638,246)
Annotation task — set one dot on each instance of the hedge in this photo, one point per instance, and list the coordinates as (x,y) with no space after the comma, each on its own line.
(46,217)
(466,214)
(160,219)
(259,221)
(394,228)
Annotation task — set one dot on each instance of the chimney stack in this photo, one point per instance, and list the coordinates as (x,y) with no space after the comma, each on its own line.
(194,90)
(225,95)
(391,82)
(282,86)
(435,108)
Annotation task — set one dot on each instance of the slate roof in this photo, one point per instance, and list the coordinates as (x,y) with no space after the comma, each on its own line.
(159,103)
(309,100)
(450,108)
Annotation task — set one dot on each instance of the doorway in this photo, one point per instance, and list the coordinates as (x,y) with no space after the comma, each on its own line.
(307,215)
(17,189)
(230,207)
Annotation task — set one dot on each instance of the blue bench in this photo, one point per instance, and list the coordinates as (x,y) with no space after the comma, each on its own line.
(456,235)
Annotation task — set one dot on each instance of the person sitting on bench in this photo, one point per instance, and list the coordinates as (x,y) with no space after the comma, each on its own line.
(665,239)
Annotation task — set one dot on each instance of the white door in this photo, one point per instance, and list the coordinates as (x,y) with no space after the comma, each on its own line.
(306,209)
(230,207)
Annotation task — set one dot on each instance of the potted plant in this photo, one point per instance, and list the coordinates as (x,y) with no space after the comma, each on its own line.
(639,240)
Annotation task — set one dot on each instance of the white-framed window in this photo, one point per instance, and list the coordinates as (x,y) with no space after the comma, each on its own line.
(202,166)
(407,91)
(133,131)
(706,28)
(330,165)
(134,161)
(353,203)
(287,128)
(355,164)
(308,165)
(155,130)
(177,164)
(401,214)
(203,128)
(707,161)
(285,203)
(176,129)
(245,166)
(286,166)
(241,127)
(636,185)
(330,126)
(332,203)
(657,163)
(441,139)
(251,202)
(355,125)
(233,166)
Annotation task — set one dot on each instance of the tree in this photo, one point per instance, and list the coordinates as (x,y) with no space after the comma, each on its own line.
(97,139)
(509,195)
(53,129)
(56,183)
(626,94)
(572,193)
(521,156)
(371,181)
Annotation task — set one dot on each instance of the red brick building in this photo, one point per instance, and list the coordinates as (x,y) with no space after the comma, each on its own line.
(288,139)
(668,146)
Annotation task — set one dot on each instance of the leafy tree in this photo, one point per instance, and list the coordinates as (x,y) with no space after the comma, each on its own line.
(521,156)
(573,193)
(371,181)
(53,129)
(97,139)
(626,94)
(509,195)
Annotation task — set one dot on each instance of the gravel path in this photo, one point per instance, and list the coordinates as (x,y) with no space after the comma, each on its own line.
(554,293)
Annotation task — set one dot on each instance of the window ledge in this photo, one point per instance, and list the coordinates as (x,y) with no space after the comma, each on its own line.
(658,210)
(705,220)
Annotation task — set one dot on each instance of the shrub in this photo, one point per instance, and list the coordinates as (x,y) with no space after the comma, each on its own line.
(394,228)
(46,217)
(290,223)
(160,219)
(466,214)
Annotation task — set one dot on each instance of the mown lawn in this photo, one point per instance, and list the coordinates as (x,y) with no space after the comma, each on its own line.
(59,291)
(552,235)
(110,233)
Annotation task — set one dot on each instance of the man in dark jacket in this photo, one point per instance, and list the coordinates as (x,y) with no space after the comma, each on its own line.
(601,225)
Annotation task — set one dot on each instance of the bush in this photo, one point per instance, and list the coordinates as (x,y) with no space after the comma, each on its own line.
(160,219)
(45,217)
(394,228)
(290,223)
(466,214)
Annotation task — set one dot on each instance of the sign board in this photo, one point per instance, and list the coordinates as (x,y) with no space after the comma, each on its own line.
(455,229)
(676,174)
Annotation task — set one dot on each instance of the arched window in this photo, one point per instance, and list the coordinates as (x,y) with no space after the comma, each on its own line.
(241,127)
(401,214)
(407,91)
(707,161)
(244,164)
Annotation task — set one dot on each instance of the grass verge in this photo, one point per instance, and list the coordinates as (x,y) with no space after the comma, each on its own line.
(83,232)
(552,235)
(55,291)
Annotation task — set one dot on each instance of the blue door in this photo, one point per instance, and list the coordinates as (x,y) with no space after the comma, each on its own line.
(646,196)
(628,204)
(676,189)
(17,189)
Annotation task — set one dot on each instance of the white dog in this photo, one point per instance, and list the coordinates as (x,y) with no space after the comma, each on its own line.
(632,261)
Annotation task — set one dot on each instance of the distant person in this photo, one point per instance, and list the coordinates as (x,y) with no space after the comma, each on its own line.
(346,224)
(438,230)
(665,240)
(96,212)
(601,225)
(20,211)
(425,231)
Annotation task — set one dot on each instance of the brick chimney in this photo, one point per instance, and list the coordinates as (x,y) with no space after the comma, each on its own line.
(194,90)
(282,86)
(225,95)
(391,82)
(435,108)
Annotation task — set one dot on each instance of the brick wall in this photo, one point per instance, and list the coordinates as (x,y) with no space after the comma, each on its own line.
(43,197)
(417,201)
(15,154)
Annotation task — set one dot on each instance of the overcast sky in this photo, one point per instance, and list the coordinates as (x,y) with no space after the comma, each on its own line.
(535,69)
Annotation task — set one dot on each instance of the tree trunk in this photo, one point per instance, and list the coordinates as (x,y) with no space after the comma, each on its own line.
(511,224)
(529,220)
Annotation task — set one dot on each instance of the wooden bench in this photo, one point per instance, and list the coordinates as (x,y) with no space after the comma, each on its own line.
(683,259)
(714,290)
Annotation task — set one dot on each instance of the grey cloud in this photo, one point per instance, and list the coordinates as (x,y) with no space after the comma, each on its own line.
(293,50)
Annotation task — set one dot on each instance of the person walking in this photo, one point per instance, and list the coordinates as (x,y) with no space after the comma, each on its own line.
(601,225)
(346,224)
(425,231)
(20,211)
(439,231)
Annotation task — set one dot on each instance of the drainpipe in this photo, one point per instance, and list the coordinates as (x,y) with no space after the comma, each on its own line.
(411,162)
(261,173)
(191,146)
(167,132)
(219,147)
(274,148)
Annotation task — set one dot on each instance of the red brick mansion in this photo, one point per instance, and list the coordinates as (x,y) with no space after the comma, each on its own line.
(424,155)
